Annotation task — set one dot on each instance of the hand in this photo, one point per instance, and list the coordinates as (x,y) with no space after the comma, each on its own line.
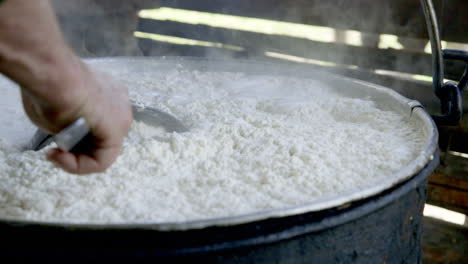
(94,96)
(57,88)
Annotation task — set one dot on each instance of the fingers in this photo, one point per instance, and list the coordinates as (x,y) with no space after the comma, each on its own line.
(98,161)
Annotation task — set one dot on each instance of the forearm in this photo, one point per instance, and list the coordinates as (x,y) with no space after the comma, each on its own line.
(57,88)
(32,50)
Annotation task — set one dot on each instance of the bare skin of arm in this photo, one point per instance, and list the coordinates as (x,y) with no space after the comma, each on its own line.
(57,88)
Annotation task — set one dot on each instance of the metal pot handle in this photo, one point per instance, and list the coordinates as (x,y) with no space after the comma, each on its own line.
(449,93)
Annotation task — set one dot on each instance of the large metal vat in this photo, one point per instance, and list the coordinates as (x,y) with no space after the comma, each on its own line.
(380,223)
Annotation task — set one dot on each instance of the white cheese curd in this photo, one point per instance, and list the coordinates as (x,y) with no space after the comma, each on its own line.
(255,143)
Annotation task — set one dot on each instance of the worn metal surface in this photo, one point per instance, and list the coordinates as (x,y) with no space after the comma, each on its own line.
(382,229)
(380,223)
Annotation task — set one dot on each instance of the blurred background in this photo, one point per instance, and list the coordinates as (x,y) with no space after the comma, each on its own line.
(379,41)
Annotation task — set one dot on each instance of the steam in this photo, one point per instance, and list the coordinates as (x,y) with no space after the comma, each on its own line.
(97,28)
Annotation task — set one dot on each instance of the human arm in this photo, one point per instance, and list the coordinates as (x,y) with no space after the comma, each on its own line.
(57,87)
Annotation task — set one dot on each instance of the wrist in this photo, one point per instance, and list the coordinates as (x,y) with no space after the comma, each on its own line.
(32,50)
(59,99)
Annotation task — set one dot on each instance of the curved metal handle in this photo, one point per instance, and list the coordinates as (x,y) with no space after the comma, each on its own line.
(436,46)
(459,55)
(66,140)
(449,93)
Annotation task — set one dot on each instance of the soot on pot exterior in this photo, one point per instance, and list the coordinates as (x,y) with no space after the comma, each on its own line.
(381,229)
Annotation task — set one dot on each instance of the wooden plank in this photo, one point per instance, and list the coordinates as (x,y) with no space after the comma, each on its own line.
(454,138)
(449,181)
(155,48)
(398,17)
(448,186)
(449,198)
(257,44)
(444,242)
(455,166)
